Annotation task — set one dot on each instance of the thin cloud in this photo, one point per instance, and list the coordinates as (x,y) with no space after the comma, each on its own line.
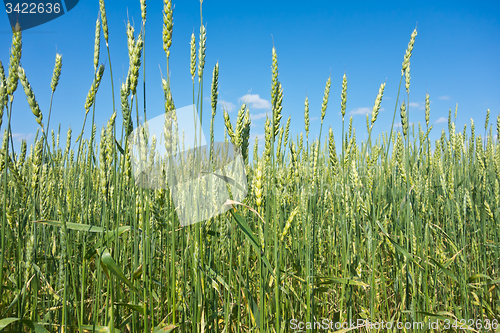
(261,138)
(419,106)
(444,98)
(441,120)
(230,107)
(314,118)
(255,102)
(399,125)
(360,111)
(258,116)
(18,137)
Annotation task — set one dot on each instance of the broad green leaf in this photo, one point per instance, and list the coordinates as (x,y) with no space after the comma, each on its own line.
(7,321)
(138,272)
(438,315)
(119,147)
(217,277)
(39,328)
(162,328)
(107,260)
(445,270)
(228,180)
(398,247)
(333,280)
(72,226)
(478,276)
(242,223)
(136,307)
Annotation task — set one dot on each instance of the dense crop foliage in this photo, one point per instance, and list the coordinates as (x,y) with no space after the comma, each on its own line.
(392,229)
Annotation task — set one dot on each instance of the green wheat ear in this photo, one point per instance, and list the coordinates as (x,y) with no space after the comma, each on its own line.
(376,107)
(3,92)
(325,99)
(427,109)
(93,89)
(201,52)
(15,58)
(343,96)
(102,8)
(143,11)
(30,96)
(404,119)
(57,73)
(168,26)
(97,43)
(193,56)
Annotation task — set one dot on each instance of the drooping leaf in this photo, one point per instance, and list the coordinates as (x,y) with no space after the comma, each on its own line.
(398,247)
(242,223)
(39,328)
(119,147)
(138,272)
(478,276)
(336,280)
(6,322)
(445,270)
(228,180)
(72,226)
(107,260)
(136,307)
(162,328)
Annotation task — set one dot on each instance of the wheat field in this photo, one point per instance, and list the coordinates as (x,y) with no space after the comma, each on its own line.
(393,229)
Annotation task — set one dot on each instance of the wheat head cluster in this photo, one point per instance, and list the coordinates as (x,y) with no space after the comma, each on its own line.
(395,228)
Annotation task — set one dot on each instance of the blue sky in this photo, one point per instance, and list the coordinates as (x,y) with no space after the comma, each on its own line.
(455,60)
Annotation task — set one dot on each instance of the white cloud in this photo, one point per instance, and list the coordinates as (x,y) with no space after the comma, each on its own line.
(255,102)
(441,120)
(230,107)
(360,111)
(259,115)
(18,137)
(419,106)
(399,125)
(444,98)
(314,118)
(261,138)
